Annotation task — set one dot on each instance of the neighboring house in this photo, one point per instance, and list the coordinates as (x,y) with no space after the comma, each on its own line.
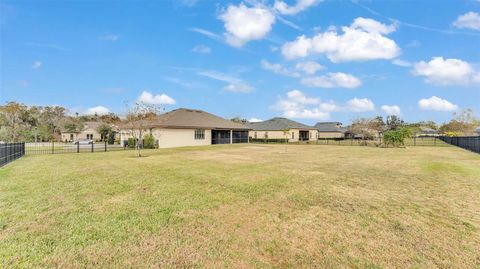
(427,131)
(89,131)
(477,130)
(189,127)
(330,130)
(274,129)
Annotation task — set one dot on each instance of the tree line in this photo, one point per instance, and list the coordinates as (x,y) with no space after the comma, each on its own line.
(463,123)
(19,122)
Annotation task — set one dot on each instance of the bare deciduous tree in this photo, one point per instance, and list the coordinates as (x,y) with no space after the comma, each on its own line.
(139,120)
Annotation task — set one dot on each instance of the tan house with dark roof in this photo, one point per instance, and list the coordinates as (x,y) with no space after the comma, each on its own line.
(89,131)
(190,127)
(330,130)
(275,128)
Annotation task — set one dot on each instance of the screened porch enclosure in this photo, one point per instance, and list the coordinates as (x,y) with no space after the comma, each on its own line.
(304,135)
(229,137)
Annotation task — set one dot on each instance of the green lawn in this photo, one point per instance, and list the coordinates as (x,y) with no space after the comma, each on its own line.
(243,206)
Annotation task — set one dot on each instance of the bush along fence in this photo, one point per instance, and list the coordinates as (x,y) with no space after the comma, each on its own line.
(471,143)
(10,152)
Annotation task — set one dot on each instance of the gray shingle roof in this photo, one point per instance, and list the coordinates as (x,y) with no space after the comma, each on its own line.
(278,124)
(330,127)
(428,130)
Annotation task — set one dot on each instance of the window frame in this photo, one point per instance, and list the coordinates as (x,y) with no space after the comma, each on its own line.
(199,134)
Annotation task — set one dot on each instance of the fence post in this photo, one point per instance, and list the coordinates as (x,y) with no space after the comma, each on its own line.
(414,140)
(92,145)
(434,140)
(78,147)
(53,146)
(105,146)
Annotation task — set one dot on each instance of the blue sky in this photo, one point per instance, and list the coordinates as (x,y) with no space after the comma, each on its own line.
(308,60)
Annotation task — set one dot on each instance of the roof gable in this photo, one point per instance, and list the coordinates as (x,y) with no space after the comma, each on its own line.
(193,118)
(329,126)
(278,124)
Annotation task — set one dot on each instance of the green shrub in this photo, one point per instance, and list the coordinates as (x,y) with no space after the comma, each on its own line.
(131,142)
(111,138)
(148,141)
(453,134)
(397,138)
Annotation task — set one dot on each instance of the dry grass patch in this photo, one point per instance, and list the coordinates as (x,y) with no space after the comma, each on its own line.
(244,206)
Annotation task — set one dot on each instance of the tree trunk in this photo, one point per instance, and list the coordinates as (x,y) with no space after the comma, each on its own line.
(138,144)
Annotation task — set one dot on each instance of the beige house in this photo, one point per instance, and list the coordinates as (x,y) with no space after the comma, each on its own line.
(89,131)
(330,130)
(188,127)
(276,128)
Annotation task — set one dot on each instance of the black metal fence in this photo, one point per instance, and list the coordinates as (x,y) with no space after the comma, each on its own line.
(10,152)
(471,143)
(414,141)
(60,147)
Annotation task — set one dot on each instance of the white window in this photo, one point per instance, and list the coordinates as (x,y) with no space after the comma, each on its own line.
(199,134)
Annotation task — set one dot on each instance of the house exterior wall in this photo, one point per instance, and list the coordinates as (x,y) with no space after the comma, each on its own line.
(330,135)
(170,138)
(281,135)
(67,138)
(83,134)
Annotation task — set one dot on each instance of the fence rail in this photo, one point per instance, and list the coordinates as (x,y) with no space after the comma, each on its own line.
(471,143)
(414,141)
(10,152)
(60,147)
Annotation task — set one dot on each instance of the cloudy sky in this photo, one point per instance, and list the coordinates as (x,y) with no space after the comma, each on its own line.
(309,60)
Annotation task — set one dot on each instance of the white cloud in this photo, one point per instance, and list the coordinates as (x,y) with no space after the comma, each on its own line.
(99,110)
(239,87)
(37,64)
(391,110)
(301,5)
(442,71)
(469,20)
(309,67)
(332,80)
(373,26)
(109,37)
(158,99)
(279,69)
(401,63)
(254,120)
(206,33)
(436,104)
(202,49)
(298,105)
(234,84)
(244,23)
(361,41)
(360,105)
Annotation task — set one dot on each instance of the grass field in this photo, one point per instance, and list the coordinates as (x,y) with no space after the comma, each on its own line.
(243,206)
